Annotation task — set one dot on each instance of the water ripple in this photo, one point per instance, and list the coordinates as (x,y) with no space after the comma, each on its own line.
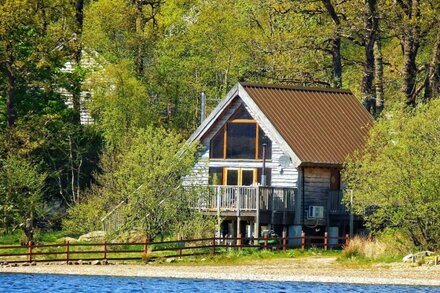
(30,283)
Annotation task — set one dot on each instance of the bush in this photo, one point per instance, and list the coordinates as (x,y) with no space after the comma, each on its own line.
(84,217)
(388,244)
(195,226)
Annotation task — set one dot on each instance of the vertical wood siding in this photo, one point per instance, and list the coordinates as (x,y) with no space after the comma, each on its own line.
(316,187)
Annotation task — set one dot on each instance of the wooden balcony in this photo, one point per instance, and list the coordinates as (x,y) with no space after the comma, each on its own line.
(243,199)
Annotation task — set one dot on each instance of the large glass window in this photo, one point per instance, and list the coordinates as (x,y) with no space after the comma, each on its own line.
(240,138)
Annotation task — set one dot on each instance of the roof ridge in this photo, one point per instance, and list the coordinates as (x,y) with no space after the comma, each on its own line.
(291,87)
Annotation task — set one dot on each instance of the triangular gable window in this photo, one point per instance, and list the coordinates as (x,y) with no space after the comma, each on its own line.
(240,138)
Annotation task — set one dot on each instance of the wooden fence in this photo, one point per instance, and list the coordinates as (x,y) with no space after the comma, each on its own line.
(71,252)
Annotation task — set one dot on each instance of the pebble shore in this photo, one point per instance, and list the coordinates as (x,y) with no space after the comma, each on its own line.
(297,270)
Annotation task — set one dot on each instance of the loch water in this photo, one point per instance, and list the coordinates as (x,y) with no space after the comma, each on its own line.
(31,283)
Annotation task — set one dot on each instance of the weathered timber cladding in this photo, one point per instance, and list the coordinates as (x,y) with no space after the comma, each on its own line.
(316,187)
(281,177)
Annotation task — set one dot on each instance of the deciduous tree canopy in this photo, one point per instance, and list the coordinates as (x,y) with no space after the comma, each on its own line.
(396,179)
(144,63)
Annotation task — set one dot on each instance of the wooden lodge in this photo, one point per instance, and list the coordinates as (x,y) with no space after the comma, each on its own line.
(272,158)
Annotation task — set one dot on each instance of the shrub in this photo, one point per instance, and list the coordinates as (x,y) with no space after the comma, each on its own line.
(387,244)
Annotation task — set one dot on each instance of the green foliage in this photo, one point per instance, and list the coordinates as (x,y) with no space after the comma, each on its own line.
(120,102)
(21,189)
(397,178)
(85,216)
(194,225)
(149,64)
(146,173)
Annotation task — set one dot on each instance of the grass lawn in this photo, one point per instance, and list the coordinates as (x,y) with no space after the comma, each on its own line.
(223,256)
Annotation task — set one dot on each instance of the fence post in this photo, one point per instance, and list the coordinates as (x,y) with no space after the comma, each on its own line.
(30,250)
(436,260)
(303,240)
(67,252)
(239,241)
(347,239)
(265,241)
(284,240)
(104,246)
(180,245)
(325,241)
(146,246)
(213,246)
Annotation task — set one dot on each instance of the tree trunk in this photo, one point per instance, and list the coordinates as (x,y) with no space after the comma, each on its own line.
(378,75)
(10,77)
(367,92)
(337,61)
(77,55)
(336,45)
(410,38)
(28,227)
(410,48)
(140,26)
(79,17)
(432,81)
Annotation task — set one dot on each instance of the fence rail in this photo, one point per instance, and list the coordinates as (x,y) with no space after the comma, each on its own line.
(70,252)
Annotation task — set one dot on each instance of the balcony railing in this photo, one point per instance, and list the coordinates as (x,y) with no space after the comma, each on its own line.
(244,198)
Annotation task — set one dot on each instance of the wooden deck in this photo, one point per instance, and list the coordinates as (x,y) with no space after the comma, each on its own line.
(243,199)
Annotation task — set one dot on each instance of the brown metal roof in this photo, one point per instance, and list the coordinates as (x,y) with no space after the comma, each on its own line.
(322,126)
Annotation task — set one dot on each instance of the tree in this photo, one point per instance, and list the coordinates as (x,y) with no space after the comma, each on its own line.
(145,173)
(336,44)
(414,19)
(397,177)
(21,190)
(33,38)
(120,102)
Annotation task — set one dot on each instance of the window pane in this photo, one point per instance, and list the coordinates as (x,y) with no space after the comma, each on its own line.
(232,177)
(242,113)
(263,138)
(216,176)
(247,177)
(217,145)
(241,141)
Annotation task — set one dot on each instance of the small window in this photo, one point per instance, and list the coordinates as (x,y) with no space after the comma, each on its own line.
(242,114)
(263,139)
(215,176)
(217,145)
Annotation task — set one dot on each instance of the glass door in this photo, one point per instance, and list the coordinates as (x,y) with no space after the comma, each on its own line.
(239,176)
(247,177)
(232,177)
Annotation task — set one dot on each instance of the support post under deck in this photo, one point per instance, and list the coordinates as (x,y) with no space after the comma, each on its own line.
(257,214)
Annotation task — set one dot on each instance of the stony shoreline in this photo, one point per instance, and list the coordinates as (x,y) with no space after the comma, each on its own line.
(296,270)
